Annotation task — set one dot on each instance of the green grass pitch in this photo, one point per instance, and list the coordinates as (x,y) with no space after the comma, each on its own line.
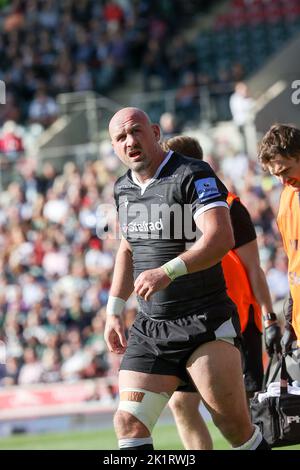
(165,438)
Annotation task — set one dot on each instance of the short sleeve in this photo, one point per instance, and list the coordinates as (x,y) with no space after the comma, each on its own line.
(202,189)
(243,228)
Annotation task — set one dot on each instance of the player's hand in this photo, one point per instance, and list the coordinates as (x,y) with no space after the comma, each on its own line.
(272,339)
(151,281)
(114,334)
(288,338)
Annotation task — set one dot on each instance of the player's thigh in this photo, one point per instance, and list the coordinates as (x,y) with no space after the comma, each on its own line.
(216,370)
(153,382)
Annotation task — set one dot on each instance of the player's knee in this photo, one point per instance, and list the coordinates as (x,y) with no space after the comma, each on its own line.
(127,425)
(177,405)
(184,404)
(138,411)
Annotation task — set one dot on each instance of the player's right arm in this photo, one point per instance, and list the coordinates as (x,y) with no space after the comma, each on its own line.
(206,196)
(121,288)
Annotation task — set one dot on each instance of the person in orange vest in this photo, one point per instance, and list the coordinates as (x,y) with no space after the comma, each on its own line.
(279,153)
(247,287)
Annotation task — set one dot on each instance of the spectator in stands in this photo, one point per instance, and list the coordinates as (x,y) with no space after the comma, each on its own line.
(181,58)
(82,80)
(32,369)
(235,167)
(10,372)
(43,109)
(46,179)
(154,67)
(51,366)
(11,111)
(11,144)
(168,125)
(242,109)
(277,278)
(188,99)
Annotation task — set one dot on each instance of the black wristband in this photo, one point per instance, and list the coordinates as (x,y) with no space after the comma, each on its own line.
(270,316)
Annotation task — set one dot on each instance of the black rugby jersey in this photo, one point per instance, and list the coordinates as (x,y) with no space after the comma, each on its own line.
(243,228)
(157,219)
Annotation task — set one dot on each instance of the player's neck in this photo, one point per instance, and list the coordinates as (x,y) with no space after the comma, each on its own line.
(145,175)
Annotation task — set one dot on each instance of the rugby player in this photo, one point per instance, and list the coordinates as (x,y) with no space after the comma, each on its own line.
(186,326)
(247,287)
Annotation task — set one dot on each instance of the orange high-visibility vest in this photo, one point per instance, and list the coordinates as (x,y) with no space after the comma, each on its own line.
(288,221)
(238,284)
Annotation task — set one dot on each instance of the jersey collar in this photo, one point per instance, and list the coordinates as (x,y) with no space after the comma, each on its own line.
(144,186)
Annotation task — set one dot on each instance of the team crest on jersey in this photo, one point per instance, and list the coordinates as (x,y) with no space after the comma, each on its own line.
(207,189)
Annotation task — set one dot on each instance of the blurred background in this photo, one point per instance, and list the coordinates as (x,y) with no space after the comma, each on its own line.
(221,71)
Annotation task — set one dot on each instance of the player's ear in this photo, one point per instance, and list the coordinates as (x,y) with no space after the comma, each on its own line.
(156,131)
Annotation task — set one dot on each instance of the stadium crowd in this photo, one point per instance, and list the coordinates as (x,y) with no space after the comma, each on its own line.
(49,47)
(55,274)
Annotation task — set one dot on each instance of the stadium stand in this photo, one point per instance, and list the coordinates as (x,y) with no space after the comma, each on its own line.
(50,47)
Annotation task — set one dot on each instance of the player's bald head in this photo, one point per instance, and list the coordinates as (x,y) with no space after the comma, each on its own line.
(126,114)
(135,141)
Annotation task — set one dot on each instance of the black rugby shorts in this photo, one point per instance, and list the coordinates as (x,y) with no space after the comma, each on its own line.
(251,350)
(164,346)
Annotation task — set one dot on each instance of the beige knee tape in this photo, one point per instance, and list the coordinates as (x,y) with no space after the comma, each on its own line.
(144,405)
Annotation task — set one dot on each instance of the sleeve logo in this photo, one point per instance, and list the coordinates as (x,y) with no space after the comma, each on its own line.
(207,189)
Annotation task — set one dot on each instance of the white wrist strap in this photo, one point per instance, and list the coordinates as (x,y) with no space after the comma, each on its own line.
(115,306)
(174,268)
